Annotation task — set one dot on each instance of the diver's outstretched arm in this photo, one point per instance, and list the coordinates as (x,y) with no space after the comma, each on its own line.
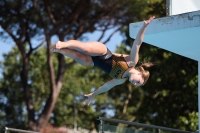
(106,87)
(134,55)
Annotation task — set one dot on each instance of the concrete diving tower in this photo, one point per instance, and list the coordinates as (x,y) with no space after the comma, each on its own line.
(179,34)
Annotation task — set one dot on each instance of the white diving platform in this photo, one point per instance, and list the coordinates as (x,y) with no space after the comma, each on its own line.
(179,34)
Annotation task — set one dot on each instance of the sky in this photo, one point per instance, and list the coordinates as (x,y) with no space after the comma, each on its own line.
(115,40)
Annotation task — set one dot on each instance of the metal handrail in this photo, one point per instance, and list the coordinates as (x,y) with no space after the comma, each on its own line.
(143,125)
(18,130)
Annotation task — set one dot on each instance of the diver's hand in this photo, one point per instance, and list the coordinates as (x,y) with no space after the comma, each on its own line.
(146,22)
(90,96)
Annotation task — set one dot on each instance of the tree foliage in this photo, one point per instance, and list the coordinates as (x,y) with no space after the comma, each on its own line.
(170,96)
(32,78)
(30,23)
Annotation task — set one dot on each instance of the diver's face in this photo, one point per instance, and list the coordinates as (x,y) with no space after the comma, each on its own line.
(136,79)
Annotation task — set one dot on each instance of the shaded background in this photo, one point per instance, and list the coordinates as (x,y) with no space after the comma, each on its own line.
(38,88)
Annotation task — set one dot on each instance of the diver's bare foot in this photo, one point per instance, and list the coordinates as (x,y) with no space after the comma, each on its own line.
(60,45)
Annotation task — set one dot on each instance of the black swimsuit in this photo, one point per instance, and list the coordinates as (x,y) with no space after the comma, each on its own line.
(113,65)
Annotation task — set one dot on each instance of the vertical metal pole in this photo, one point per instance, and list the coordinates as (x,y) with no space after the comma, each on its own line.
(101,127)
(168,7)
(199,92)
(6,129)
(75,116)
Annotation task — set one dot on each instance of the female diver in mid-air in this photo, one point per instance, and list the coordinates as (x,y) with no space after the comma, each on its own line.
(119,66)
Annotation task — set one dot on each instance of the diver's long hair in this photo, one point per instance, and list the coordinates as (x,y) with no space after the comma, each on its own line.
(143,69)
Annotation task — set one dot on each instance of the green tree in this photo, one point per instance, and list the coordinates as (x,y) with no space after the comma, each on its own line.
(11,101)
(25,21)
(79,80)
(170,96)
(172,90)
